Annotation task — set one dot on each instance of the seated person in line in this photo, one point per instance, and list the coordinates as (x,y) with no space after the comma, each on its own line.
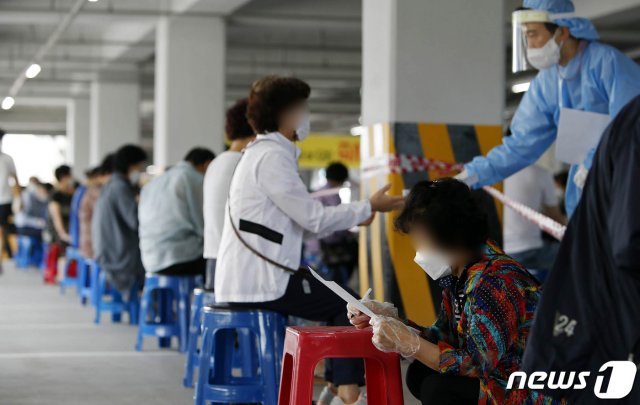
(217,181)
(488,304)
(85,214)
(170,215)
(269,212)
(338,252)
(57,233)
(114,227)
(60,207)
(31,219)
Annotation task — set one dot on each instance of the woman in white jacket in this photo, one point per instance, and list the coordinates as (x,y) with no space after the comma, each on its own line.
(270,212)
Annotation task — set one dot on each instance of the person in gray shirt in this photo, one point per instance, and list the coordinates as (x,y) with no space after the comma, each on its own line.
(115,221)
(171,220)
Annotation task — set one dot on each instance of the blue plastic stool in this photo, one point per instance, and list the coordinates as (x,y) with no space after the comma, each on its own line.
(71,255)
(203,298)
(30,251)
(116,304)
(83,287)
(164,311)
(216,382)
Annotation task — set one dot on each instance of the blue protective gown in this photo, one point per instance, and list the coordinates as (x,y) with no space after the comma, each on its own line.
(598,79)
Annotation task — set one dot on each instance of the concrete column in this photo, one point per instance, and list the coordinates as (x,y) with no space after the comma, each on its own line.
(433,87)
(426,61)
(78,129)
(189,87)
(115,117)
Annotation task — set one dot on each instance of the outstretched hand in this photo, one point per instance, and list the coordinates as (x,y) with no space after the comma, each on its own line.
(382,202)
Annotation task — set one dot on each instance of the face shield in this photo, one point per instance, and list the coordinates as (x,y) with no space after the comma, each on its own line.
(519,20)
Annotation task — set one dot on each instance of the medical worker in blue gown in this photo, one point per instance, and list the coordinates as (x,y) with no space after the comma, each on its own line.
(575,71)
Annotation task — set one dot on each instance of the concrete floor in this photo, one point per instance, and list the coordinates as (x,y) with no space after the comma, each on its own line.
(52,353)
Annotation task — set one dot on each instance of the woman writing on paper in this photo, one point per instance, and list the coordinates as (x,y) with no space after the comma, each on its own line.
(488,303)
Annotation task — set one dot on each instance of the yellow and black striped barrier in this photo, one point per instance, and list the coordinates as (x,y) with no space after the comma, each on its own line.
(386,257)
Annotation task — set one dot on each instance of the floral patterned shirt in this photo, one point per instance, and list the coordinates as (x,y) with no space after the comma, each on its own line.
(488,341)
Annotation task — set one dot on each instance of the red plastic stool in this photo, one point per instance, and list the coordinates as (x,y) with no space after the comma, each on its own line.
(305,347)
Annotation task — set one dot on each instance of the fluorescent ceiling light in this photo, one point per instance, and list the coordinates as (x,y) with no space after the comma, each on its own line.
(32,71)
(8,102)
(520,87)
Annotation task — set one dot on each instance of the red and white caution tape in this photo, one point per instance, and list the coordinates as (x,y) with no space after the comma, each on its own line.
(545,223)
(403,163)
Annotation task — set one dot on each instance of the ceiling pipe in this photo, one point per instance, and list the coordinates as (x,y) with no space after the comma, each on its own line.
(50,43)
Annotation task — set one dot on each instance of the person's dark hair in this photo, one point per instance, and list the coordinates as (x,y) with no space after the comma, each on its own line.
(93,172)
(447,210)
(236,124)
(127,156)
(62,172)
(269,97)
(198,156)
(106,166)
(337,172)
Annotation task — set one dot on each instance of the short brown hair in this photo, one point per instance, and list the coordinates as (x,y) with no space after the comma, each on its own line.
(269,97)
(236,124)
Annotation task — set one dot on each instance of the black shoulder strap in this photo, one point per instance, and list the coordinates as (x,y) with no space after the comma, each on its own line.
(244,242)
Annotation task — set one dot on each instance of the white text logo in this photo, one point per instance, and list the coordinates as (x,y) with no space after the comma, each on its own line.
(621,377)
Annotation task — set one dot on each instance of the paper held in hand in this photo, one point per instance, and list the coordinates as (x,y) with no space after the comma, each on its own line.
(578,132)
(342,293)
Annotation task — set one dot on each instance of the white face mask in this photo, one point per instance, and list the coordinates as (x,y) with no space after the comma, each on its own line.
(134,177)
(436,265)
(545,57)
(304,127)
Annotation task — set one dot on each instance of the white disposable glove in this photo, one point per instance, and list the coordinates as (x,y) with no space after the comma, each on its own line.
(465,177)
(377,307)
(391,335)
(581,176)
(361,321)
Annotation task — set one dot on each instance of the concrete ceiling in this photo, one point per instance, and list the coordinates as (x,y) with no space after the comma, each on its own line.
(319,41)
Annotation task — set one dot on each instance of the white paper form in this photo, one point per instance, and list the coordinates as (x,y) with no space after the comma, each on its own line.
(578,132)
(342,293)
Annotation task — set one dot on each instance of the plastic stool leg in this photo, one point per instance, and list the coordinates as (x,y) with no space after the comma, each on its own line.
(183,320)
(192,343)
(99,297)
(284,397)
(116,306)
(204,367)
(165,306)
(302,382)
(269,367)
(142,318)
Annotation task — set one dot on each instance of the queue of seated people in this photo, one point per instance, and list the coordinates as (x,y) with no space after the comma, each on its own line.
(239,221)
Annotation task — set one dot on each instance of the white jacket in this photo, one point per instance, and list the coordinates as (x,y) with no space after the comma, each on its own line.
(272,209)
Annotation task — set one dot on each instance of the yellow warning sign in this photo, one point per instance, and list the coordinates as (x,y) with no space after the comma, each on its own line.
(320,150)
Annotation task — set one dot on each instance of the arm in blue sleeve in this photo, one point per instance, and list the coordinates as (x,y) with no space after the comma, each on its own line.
(533,130)
(620,78)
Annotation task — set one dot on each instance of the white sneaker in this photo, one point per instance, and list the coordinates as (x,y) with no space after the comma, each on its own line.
(326,397)
(337,401)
